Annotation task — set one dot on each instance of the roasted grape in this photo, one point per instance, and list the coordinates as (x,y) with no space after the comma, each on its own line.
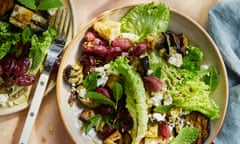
(139,49)
(107,131)
(104,110)
(123,43)
(153,83)
(21,67)
(9,64)
(25,80)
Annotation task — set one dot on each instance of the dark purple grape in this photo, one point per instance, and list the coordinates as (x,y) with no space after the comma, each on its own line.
(25,80)
(106,132)
(153,83)
(123,43)
(88,69)
(89,36)
(1,70)
(113,53)
(98,41)
(99,50)
(139,49)
(56,66)
(125,124)
(8,80)
(21,67)
(87,60)
(106,92)
(9,64)
(104,110)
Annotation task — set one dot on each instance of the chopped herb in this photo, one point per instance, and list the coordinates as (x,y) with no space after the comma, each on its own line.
(90,82)
(41,5)
(186,136)
(117,92)
(99,98)
(91,123)
(163,108)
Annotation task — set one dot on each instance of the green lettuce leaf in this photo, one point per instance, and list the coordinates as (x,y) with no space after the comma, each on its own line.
(28,3)
(39,48)
(193,59)
(187,135)
(48,4)
(194,95)
(190,89)
(146,19)
(7,39)
(210,77)
(135,97)
(41,4)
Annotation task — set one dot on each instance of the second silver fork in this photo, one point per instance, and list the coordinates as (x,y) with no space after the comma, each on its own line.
(62,23)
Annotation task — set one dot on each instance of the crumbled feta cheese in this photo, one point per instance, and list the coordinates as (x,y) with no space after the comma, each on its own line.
(102,77)
(156,99)
(104,73)
(82,92)
(167,100)
(158,116)
(149,72)
(3,99)
(204,66)
(175,59)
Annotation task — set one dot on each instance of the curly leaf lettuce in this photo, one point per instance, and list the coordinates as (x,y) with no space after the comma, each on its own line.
(39,48)
(186,136)
(146,19)
(136,97)
(190,89)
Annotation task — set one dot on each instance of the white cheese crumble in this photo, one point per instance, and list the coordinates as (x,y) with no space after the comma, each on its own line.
(167,99)
(176,60)
(158,116)
(3,99)
(204,66)
(104,73)
(82,92)
(156,99)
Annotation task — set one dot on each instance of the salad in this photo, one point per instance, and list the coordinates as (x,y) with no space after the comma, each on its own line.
(25,37)
(138,82)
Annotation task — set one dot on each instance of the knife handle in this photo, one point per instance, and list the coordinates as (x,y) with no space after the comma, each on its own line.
(34,107)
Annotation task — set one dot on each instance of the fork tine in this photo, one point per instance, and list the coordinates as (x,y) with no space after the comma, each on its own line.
(62,23)
(68,25)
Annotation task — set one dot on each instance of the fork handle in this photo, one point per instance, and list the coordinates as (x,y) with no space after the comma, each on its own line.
(34,107)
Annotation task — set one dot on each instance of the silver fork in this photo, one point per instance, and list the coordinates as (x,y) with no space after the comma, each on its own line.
(61,23)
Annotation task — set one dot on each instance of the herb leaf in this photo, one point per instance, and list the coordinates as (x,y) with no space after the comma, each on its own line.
(29,4)
(48,4)
(90,82)
(88,125)
(186,136)
(163,108)
(211,78)
(26,34)
(117,92)
(99,98)
(43,4)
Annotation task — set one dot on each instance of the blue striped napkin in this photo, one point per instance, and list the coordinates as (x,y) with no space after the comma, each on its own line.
(224,27)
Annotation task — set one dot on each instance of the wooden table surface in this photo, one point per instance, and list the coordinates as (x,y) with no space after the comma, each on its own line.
(49,128)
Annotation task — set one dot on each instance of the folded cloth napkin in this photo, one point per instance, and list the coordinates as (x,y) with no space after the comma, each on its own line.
(224,27)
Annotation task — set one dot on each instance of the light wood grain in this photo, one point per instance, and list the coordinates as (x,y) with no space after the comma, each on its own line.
(48,127)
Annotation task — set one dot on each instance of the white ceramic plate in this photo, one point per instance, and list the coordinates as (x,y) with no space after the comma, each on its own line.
(179,24)
(23,101)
